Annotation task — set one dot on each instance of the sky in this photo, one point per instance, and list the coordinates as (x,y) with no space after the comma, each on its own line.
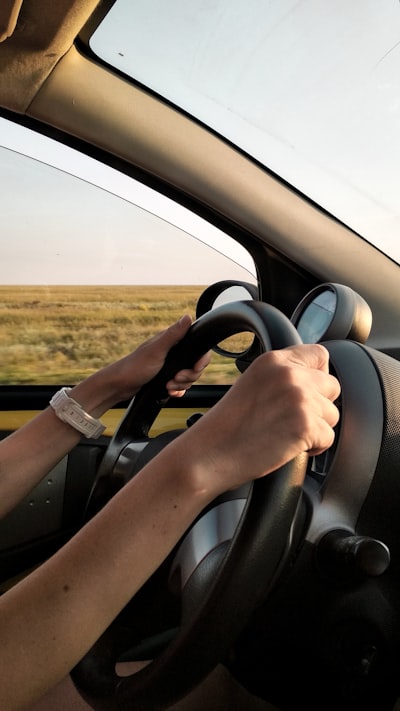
(60,229)
(311,88)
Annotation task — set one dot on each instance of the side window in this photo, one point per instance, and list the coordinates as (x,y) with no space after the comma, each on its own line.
(93,265)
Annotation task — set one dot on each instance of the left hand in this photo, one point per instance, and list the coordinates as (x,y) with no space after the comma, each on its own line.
(138,368)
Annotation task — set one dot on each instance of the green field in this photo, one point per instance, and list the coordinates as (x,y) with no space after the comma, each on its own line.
(61,334)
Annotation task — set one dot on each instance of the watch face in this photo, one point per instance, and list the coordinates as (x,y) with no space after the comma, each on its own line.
(317,317)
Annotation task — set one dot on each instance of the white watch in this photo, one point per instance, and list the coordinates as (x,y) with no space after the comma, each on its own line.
(71,412)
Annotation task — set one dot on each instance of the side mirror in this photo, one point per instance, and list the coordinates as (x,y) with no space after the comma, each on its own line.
(224,292)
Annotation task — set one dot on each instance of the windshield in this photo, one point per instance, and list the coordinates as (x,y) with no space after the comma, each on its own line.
(310,89)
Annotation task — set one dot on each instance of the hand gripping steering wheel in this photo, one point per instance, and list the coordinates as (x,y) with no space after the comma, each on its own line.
(253,557)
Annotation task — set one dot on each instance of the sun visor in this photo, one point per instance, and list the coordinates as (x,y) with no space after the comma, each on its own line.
(9,12)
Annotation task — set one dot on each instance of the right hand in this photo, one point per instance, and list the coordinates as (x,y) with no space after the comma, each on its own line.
(281,406)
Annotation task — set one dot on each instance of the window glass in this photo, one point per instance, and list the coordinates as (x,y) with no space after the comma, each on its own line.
(86,274)
(310,89)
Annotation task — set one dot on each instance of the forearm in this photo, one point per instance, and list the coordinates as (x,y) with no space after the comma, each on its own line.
(29,454)
(65,605)
(33,450)
(277,409)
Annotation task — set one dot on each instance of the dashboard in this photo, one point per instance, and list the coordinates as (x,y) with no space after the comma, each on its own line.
(332,311)
(323,600)
(357,539)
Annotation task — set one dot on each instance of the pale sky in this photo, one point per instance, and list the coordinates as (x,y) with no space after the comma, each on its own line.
(310,88)
(57,229)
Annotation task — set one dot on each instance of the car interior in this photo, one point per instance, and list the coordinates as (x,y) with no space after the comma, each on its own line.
(116,179)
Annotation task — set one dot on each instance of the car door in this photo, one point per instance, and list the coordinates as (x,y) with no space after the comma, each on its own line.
(93,264)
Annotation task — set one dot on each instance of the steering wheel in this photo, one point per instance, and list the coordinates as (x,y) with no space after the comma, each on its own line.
(252,558)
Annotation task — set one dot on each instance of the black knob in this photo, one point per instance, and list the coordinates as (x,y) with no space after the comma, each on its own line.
(343,553)
(193,418)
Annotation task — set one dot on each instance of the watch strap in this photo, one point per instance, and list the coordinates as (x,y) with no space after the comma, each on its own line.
(71,412)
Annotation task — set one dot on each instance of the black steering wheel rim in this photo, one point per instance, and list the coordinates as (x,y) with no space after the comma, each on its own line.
(268,517)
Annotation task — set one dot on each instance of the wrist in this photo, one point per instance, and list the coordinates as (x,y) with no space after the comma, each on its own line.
(193,468)
(68,410)
(96,394)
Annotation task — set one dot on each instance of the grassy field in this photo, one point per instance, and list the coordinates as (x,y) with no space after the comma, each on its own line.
(61,334)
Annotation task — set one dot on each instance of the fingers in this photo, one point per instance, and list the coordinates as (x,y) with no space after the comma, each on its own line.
(299,392)
(185,378)
(173,334)
(319,391)
(313,356)
(321,433)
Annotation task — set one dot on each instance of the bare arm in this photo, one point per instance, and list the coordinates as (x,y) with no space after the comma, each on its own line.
(33,450)
(49,620)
